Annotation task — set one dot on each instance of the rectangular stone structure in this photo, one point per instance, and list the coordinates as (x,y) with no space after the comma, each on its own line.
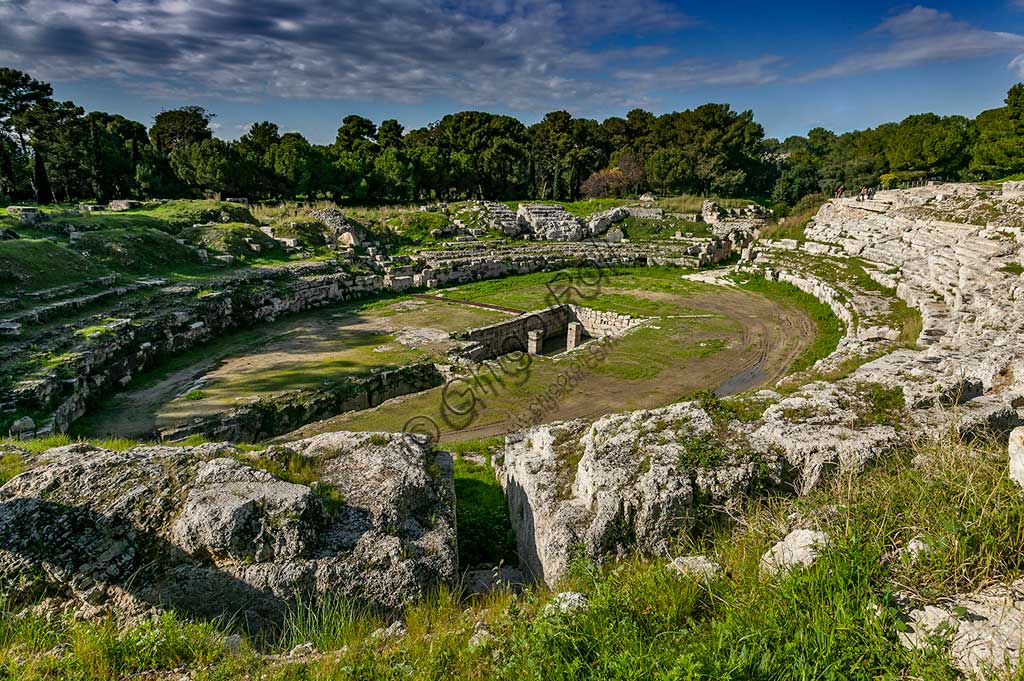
(534,342)
(573,336)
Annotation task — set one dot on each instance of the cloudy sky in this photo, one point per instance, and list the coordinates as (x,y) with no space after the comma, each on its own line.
(307,64)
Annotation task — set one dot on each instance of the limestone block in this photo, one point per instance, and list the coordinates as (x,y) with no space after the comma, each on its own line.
(1016,451)
(799,548)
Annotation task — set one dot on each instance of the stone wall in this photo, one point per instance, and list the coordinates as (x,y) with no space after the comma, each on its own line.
(104,364)
(499,339)
(597,324)
(495,340)
(280,414)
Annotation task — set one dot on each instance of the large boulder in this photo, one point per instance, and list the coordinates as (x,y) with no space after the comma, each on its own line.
(207,531)
(982,633)
(629,483)
(599,223)
(235,513)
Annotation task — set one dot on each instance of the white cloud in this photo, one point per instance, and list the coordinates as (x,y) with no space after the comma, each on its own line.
(1017,65)
(918,36)
(524,54)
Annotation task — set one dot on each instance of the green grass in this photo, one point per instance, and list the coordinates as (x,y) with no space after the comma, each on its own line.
(644,229)
(169,216)
(10,466)
(34,264)
(231,239)
(836,620)
(484,532)
(135,251)
(590,287)
(883,406)
(1012,268)
(414,227)
(309,232)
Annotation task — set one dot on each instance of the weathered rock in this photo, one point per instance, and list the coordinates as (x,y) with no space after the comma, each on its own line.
(983,633)
(700,568)
(120,205)
(600,222)
(339,229)
(23,425)
(550,221)
(190,528)
(235,513)
(629,483)
(820,429)
(799,548)
(1016,451)
(567,603)
(1013,189)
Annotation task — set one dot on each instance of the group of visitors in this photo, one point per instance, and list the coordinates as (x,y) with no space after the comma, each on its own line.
(866,193)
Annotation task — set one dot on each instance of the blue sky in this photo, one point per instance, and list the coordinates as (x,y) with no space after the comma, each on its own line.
(306,65)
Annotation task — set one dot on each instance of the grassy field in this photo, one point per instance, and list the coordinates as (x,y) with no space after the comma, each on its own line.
(698,336)
(836,620)
(29,263)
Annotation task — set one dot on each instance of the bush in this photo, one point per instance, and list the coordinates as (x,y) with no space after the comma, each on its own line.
(609,182)
(890,180)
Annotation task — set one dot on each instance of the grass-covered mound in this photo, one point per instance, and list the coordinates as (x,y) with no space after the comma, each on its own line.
(234,238)
(33,264)
(135,251)
(309,232)
(415,227)
(169,216)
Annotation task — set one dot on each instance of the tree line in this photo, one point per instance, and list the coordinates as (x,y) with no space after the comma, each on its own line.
(53,151)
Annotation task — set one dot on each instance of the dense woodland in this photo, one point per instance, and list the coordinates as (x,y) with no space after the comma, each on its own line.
(52,151)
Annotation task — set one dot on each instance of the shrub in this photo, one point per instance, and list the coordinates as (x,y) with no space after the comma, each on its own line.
(605,183)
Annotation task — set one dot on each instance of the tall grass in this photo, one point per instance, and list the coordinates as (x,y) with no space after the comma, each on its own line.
(836,620)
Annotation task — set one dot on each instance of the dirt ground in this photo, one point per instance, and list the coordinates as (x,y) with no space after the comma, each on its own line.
(293,354)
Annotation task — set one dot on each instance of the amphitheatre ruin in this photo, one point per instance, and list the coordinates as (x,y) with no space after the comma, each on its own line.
(235,442)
